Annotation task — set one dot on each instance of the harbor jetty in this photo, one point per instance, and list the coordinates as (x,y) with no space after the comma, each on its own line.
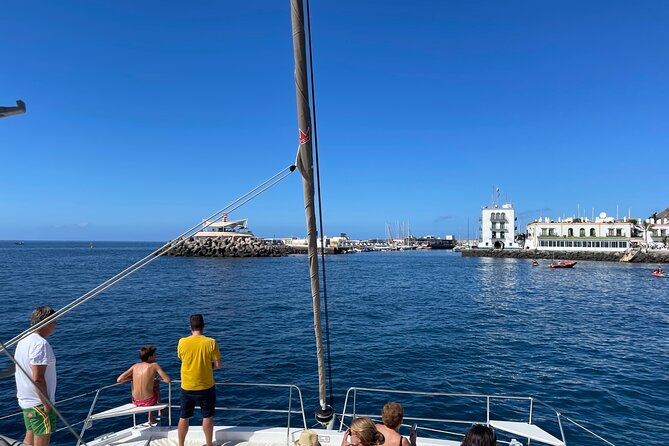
(226,247)
(234,247)
(650,256)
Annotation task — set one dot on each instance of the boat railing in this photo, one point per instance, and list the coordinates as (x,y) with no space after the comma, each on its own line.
(293,407)
(63,402)
(293,392)
(444,426)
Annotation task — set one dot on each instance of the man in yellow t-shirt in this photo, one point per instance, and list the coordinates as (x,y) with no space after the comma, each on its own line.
(199,357)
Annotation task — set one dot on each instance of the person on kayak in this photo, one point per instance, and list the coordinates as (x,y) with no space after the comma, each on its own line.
(659,270)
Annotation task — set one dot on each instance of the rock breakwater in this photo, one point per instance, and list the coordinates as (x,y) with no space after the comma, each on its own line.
(226,247)
(641,257)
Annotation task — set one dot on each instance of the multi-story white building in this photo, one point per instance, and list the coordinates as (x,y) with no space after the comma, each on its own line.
(603,234)
(658,235)
(498,228)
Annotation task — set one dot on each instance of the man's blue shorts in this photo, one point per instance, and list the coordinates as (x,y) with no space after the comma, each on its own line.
(206,399)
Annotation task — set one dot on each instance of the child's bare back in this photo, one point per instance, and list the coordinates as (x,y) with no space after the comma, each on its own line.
(143,376)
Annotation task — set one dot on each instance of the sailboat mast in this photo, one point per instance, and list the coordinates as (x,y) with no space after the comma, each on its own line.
(305,165)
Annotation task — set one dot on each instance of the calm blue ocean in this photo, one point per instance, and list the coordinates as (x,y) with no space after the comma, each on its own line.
(591,342)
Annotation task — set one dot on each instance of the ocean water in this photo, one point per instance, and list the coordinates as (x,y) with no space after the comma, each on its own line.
(591,342)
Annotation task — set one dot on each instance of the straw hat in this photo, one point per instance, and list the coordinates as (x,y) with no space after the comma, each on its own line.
(308,438)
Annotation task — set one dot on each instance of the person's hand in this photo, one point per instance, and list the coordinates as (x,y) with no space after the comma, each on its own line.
(412,437)
(47,408)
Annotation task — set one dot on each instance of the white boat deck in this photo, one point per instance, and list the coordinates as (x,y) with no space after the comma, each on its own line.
(144,435)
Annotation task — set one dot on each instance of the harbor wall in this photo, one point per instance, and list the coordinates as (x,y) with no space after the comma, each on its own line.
(233,247)
(226,247)
(641,257)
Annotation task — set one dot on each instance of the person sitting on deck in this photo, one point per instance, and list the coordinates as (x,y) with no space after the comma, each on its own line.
(392,415)
(144,383)
(362,432)
(659,269)
(480,435)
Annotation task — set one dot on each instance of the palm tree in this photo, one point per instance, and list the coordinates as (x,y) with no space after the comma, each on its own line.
(646,227)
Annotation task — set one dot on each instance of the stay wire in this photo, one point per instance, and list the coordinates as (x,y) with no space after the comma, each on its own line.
(167,247)
(320,206)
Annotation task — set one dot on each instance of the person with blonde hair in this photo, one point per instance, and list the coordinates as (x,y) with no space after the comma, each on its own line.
(392,416)
(362,432)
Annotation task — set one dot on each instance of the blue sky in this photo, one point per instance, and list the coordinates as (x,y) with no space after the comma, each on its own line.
(146,116)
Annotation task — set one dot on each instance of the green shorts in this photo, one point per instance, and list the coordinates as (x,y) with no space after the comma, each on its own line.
(39,421)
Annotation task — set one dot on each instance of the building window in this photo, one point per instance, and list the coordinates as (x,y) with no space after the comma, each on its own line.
(570,232)
(503,216)
(494,225)
(593,233)
(610,234)
(619,232)
(543,231)
(501,234)
(494,234)
(623,244)
(551,231)
(581,233)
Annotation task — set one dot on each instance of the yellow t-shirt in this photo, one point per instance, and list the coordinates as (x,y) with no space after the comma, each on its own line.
(197,354)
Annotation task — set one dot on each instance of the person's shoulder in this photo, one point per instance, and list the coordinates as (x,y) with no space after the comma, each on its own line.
(36,340)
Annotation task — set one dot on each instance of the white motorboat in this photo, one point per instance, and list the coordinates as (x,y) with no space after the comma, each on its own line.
(224,228)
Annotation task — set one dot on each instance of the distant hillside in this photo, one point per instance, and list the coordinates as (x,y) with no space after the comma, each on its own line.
(662,215)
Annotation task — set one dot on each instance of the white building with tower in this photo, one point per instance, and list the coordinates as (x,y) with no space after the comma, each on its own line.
(498,227)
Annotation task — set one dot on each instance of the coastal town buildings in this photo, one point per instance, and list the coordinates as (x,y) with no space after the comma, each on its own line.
(580,234)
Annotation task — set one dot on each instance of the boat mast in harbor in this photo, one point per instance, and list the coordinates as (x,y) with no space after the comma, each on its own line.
(305,165)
